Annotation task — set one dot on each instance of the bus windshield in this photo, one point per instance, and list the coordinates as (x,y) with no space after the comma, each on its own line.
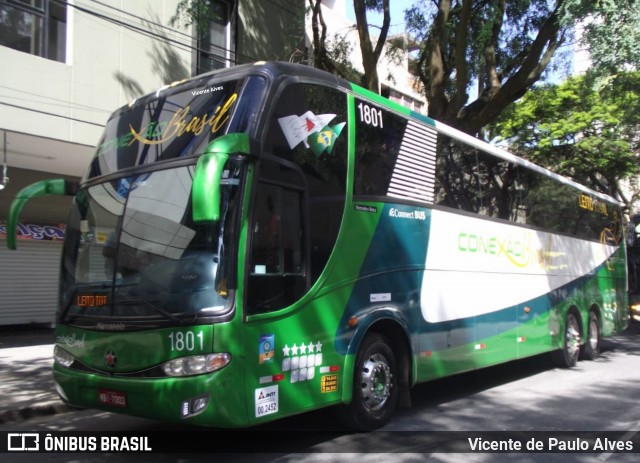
(134,258)
(175,123)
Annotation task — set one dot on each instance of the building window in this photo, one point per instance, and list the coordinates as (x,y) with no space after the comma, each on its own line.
(215,45)
(38,27)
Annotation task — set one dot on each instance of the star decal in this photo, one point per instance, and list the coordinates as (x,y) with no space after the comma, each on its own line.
(111,359)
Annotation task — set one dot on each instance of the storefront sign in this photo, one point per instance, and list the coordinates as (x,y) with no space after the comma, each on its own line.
(31,231)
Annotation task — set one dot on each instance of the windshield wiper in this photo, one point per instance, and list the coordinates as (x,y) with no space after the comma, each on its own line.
(157,309)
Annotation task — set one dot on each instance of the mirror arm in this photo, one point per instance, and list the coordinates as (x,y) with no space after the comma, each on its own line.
(207,178)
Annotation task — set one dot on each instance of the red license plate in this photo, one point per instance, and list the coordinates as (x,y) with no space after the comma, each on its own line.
(112,398)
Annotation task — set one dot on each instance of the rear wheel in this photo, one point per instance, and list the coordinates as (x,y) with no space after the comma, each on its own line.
(567,357)
(375,386)
(591,348)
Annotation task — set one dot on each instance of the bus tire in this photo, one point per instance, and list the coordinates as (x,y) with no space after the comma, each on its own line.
(567,356)
(375,386)
(591,348)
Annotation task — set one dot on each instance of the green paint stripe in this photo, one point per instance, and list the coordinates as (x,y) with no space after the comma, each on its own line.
(423,118)
(369,95)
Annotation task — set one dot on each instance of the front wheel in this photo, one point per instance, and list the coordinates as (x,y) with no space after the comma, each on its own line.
(375,386)
(567,356)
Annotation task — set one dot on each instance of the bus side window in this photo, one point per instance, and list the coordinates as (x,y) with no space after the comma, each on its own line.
(303,168)
(276,234)
(278,274)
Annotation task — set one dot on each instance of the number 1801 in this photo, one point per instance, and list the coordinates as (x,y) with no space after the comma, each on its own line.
(370,116)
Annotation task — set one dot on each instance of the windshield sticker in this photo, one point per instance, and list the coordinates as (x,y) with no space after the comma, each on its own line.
(266,401)
(266,348)
(312,130)
(207,90)
(180,124)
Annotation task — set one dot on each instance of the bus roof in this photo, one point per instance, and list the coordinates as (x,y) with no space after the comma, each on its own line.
(276,70)
(272,70)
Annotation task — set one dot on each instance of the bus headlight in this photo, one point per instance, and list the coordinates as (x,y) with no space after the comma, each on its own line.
(62,357)
(196,364)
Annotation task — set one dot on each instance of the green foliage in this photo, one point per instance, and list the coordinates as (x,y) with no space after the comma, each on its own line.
(502,47)
(341,51)
(584,128)
(374,5)
(611,32)
(194,12)
(505,47)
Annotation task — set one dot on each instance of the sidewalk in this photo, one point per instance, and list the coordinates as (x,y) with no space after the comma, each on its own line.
(27,388)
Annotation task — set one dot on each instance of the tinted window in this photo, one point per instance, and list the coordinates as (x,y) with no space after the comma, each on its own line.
(300,196)
(177,123)
(457,181)
(394,156)
(472,180)
(38,27)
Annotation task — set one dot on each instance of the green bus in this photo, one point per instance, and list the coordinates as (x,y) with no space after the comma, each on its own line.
(269,239)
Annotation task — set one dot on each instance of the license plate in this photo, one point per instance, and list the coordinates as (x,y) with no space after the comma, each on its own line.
(112,398)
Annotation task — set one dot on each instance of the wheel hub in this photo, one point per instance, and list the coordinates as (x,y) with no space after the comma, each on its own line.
(573,338)
(593,335)
(376,382)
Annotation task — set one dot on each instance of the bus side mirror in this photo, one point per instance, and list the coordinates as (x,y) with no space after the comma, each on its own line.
(56,186)
(208,175)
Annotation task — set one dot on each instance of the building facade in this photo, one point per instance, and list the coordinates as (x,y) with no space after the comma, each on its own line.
(66,67)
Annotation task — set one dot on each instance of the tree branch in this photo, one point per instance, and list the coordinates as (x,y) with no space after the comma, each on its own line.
(437,38)
(371,55)
(495,99)
(319,30)
(460,60)
(493,79)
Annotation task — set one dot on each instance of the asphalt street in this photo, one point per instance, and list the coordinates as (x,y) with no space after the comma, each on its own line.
(27,388)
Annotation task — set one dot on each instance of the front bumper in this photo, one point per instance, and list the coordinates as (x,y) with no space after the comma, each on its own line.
(159,398)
